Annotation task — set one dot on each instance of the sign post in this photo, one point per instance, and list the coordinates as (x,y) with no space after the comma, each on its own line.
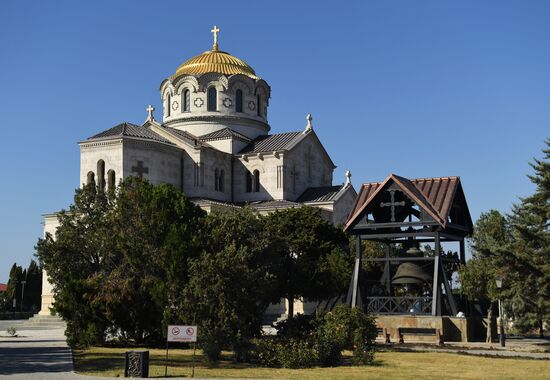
(180,333)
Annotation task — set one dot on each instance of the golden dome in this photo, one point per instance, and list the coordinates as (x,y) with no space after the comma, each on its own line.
(215,61)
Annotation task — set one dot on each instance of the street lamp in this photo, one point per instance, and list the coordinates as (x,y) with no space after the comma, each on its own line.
(23,282)
(502,337)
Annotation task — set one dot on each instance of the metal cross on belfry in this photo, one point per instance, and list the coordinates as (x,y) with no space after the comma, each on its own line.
(215,31)
(140,169)
(392,203)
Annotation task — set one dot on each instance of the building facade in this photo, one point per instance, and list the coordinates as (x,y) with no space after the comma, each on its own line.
(214,143)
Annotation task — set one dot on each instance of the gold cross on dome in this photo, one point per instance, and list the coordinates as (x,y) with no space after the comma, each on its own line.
(215,31)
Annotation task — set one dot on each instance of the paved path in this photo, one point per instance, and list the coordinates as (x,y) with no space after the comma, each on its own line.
(519,347)
(480,352)
(35,353)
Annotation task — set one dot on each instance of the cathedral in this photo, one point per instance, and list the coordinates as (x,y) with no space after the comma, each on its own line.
(215,144)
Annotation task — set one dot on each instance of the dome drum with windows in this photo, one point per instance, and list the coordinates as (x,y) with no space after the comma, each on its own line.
(213,91)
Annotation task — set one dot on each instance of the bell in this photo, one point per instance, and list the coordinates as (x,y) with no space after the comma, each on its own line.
(409,273)
(414,251)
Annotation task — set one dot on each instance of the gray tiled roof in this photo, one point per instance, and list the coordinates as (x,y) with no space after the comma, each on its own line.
(207,201)
(129,130)
(225,133)
(319,194)
(273,204)
(270,143)
(182,135)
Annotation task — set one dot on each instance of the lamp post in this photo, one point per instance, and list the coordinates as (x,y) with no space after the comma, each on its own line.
(22,282)
(502,337)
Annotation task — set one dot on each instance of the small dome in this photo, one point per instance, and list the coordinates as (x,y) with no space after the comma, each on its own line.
(215,61)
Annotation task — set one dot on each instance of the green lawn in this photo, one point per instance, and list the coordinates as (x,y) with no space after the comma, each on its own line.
(389,365)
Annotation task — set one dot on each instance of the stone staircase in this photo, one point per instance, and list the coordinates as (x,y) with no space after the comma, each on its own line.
(42,322)
(269,320)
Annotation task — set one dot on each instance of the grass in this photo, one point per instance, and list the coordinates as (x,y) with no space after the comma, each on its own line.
(99,361)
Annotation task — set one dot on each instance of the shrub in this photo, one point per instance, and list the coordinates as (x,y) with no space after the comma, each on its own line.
(243,349)
(81,335)
(328,349)
(266,352)
(345,328)
(305,342)
(296,354)
(292,353)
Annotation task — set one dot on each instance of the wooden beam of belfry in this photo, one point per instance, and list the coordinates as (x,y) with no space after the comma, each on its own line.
(387,269)
(353,293)
(450,296)
(435,292)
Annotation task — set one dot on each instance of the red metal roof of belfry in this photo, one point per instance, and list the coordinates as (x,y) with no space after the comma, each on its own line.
(435,195)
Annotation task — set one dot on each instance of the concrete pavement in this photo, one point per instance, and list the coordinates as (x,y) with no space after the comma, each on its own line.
(36,352)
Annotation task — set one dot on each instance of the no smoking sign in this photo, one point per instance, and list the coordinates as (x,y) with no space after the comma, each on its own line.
(177,333)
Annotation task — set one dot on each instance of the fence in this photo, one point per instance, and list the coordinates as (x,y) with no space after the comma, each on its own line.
(399,305)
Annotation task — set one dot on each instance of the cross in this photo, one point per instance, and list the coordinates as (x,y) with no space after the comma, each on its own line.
(392,204)
(309,125)
(140,169)
(150,110)
(348,178)
(215,31)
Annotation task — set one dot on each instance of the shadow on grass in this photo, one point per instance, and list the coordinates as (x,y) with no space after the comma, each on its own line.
(85,361)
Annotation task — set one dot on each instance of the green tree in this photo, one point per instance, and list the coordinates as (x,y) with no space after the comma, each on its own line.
(16,273)
(490,244)
(120,260)
(81,251)
(33,287)
(155,231)
(528,282)
(230,283)
(308,255)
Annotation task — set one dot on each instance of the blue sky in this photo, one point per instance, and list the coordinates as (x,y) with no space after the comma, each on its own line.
(417,88)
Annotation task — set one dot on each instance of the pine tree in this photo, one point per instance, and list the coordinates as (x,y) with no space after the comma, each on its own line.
(491,245)
(33,288)
(16,273)
(530,293)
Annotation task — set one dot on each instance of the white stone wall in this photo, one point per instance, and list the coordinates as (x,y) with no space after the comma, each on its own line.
(210,161)
(306,166)
(193,175)
(108,151)
(163,162)
(343,206)
(271,180)
(199,121)
(50,226)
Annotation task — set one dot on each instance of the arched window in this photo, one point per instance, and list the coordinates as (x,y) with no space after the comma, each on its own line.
(256,181)
(259,103)
(90,180)
(212,99)
(101,174)
(221,186)
(239,101)
(185,101)
(111,180)
(168,105)
(216,180)
(248,182)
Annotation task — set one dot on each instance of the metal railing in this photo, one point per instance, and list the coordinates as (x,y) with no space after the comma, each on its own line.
(399,305)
